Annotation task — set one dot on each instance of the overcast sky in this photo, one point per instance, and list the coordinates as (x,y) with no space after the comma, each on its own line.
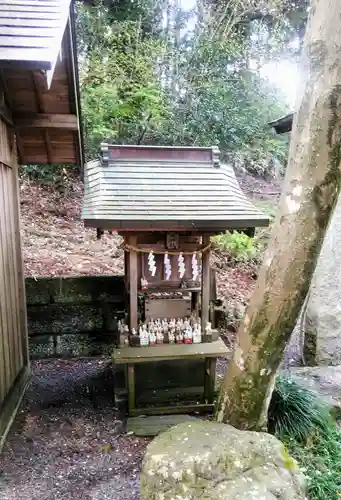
(284,74)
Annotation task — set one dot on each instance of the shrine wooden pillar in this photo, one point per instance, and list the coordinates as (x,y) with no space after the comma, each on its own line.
(205,284)
(133,283)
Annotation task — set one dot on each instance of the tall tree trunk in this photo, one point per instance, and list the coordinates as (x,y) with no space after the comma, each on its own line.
(169,60)
(310,191)
(176,35)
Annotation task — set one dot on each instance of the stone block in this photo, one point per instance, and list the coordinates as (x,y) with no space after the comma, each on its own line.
(39,291)
(88,289)
(154,425)
(63,318)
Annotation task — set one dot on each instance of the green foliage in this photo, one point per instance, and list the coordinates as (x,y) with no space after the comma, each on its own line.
(57,176)
(143,82)
(267,207)
(239,246)
(121,95)
(280,22)
(296,412)
(320,461)
(303,423)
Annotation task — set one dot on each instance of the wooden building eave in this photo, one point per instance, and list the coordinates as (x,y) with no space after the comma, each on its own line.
(75,102)
(45,114)
(193,226)
(283,125)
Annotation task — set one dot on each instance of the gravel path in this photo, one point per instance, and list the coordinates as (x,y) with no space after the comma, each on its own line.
(66,443)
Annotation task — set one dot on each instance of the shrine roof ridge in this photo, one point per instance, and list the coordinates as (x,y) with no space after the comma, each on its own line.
(111,153)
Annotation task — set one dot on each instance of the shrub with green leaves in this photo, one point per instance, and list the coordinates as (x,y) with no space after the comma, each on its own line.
(239,246)
(296,412)
(57,176)
(303,423)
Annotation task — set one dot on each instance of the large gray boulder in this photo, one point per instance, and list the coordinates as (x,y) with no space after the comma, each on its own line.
(323,380)
(316,339)
(323,325)
(218,462)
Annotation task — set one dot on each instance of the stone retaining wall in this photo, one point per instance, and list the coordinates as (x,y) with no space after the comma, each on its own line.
(64,312)
(72,317)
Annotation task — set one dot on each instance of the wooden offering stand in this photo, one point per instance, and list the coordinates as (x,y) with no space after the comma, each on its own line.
(172,294)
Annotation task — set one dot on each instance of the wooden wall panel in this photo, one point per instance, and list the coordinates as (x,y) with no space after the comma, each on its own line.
(13,331)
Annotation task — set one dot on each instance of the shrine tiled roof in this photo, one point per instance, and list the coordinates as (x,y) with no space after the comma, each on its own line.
(184,188)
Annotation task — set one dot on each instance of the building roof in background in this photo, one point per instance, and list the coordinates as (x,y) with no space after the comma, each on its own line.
(39,80)
(284,124)
(169,188)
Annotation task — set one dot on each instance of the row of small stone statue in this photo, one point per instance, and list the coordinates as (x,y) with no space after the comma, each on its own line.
(156,332)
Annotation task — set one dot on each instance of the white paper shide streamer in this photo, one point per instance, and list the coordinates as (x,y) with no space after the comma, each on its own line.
(168,267)
(181,264)
(195,267)
(151,264)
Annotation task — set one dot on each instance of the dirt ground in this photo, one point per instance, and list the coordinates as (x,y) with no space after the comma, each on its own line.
(66,443)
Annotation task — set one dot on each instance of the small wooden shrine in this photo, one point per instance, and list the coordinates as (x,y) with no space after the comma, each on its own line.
(166,203)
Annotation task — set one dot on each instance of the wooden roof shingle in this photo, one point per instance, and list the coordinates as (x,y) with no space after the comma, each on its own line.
(31,32)
(144,187)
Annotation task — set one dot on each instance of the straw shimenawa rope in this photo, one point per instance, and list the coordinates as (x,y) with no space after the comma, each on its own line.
(131,248)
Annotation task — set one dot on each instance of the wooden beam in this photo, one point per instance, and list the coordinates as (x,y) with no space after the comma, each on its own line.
(39,83)
(209,380)
(48,147)
(194,226)
(20,148)
(205,284)
(9,101)
(43,120)
(5,112)
(133,284)
(11,405)
(19,246)
(170,410)
(131,388)
(73,78)
(169,352)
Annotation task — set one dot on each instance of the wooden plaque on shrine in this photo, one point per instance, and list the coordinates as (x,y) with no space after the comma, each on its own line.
(167,307)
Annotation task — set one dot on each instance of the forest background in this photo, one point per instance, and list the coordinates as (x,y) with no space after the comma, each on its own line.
(188,73)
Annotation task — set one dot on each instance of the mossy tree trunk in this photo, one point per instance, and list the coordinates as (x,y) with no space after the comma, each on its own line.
(310,191)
